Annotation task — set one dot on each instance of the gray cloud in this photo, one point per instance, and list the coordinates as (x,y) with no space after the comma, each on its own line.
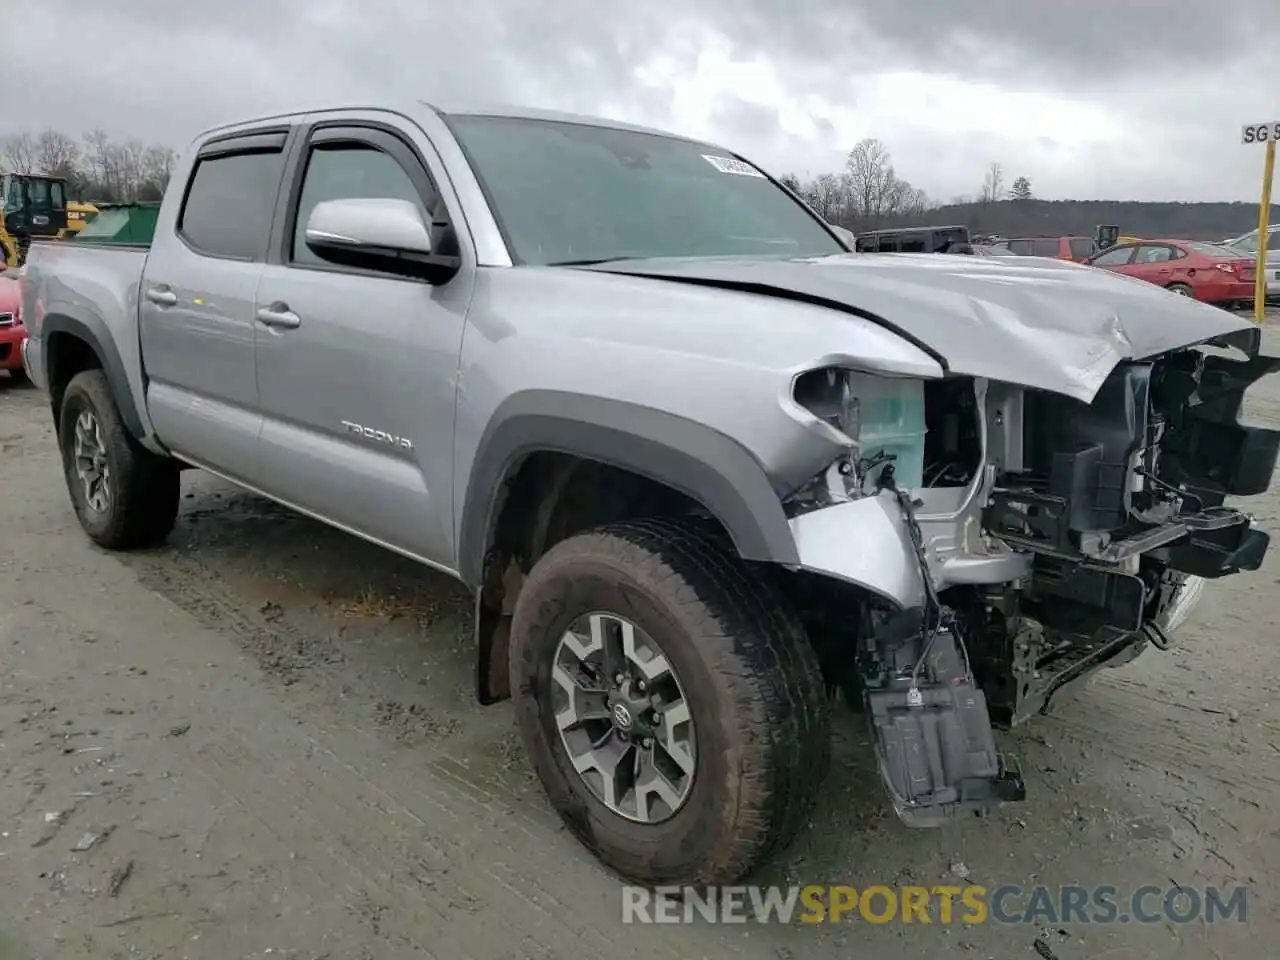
(1175,74)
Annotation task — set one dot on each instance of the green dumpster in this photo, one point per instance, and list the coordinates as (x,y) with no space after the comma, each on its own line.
(121,223)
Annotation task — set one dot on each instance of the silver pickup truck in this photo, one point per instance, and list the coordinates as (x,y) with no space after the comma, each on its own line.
(706,470)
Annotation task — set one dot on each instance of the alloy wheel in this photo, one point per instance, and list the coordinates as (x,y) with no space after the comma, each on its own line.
(624,721)
(90,453)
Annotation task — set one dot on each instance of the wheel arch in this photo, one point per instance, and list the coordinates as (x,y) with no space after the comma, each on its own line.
(524,472)
(70,346)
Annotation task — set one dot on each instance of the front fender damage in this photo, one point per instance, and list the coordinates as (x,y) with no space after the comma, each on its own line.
(1085,534)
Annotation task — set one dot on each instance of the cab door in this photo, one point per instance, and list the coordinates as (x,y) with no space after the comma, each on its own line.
(196,305)
(357,369)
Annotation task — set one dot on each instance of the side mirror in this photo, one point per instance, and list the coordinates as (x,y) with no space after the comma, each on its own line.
(378,234)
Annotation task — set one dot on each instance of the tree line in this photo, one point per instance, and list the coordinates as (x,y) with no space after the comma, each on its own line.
(95,166)
(869,195)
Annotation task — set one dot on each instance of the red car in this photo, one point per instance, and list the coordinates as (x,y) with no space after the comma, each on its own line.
(1191,268)
(12,332)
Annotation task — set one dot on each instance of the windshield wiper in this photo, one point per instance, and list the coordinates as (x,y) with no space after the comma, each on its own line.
(591,263)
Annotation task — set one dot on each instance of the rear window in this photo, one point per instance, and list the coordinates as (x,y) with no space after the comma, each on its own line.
(229,204)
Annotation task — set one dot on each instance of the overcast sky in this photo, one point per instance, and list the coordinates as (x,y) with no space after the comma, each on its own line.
(1116,99)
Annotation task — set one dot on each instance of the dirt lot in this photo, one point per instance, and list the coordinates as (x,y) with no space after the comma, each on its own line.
(265,737)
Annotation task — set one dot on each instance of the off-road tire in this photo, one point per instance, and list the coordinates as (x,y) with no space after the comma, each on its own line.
(144,488)
(749,673)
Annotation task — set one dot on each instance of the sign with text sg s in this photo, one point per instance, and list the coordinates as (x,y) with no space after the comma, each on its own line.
(1260,132)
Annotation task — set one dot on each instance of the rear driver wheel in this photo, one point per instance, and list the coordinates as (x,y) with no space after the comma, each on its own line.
(671,705)
(124,495)
(1181,289)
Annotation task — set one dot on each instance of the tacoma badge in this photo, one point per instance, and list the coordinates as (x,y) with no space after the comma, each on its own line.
(381,435)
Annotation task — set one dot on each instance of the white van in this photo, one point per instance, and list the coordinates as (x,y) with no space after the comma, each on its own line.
(1249,244)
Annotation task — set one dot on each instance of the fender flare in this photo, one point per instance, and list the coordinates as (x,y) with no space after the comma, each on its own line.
(702,463)
(102,345)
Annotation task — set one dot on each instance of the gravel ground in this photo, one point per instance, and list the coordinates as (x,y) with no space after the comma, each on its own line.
(265,738)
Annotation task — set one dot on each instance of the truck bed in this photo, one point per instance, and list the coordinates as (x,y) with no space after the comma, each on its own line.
(90,288)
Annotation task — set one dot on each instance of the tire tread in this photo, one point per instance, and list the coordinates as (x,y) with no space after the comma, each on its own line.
(750,635)
(147,487)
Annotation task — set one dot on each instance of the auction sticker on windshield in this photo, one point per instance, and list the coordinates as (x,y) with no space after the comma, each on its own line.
(733,165)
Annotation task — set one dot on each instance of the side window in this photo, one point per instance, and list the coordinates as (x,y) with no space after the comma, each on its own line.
(1082,247)
(1115,257)
(1046,247)
(866,244)
(58,195)
(913,243)
(1249,243)
(1149,253)
(888,244)
(1021,248)
(349,171)
(228,208)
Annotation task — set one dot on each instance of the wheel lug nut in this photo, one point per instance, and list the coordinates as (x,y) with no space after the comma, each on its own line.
(657,717)
(647,742)
(640,685)
(618,678)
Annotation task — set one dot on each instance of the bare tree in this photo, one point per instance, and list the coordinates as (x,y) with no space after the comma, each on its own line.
(871,179)
(993,184)
(57,154)
(19,152)
(829,196)
(914,201)
(157,169)
(101,161)
(792,183)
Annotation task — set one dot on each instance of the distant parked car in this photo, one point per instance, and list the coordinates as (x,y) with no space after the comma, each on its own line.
(992,250)
(912,239)
(1248,245)
(12,332)
(845,235)
(1192,268)
(1077,249)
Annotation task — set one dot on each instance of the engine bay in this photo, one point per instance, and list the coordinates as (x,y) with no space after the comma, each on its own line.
(1112,510)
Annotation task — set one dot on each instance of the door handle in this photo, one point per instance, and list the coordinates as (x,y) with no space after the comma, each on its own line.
(279,315)
(163,296)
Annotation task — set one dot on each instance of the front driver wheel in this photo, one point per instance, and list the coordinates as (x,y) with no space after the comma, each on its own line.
(671,704)
(124,495)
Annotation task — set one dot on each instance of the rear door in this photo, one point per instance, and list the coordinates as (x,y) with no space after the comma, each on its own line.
(197,304)
(358,385)
(1153,262)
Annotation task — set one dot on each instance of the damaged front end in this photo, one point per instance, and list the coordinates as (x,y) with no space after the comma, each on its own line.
(1006,543)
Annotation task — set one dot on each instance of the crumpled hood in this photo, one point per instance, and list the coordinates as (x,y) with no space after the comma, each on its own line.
(1048,324)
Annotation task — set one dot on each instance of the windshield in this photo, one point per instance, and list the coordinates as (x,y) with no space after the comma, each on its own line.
(569,192)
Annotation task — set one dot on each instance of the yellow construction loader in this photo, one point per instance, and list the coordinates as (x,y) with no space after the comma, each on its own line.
(35,208)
